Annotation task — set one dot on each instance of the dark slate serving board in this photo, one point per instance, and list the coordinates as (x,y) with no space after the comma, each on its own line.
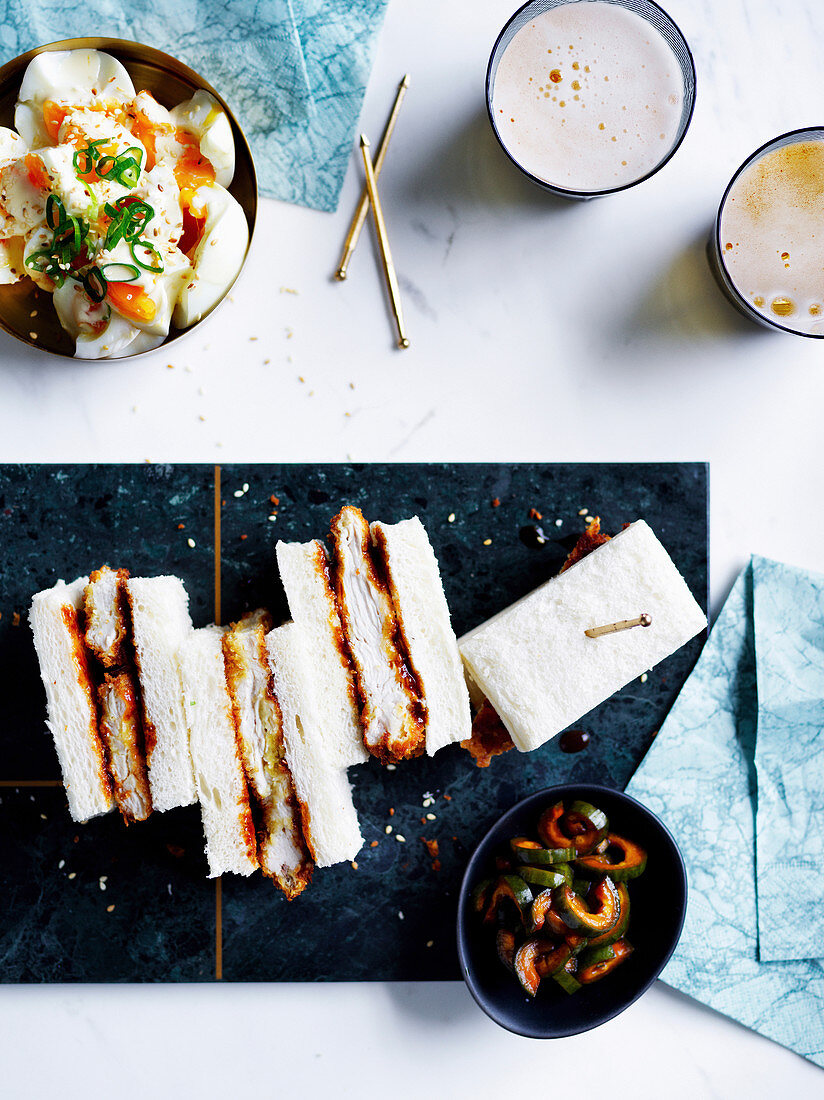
(100,902)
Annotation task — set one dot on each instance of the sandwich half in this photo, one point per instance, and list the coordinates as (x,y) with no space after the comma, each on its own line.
(258,723)
(120,721)
(159,611)
(393,713)
(221,784)
(539,669)
(304,571)
(330,822)
(424,628)
(56,618)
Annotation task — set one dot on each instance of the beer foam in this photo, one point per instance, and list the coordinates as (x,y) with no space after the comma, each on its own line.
(772,235)
(588,96)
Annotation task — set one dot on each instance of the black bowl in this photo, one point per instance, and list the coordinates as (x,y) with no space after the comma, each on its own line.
(658,905)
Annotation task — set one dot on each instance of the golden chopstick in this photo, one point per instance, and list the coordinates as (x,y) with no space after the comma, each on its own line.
(383,242)
(362,210)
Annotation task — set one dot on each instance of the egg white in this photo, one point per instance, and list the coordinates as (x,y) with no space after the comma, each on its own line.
(163,287)
(203,117)
(12,146)
(12,260)
(22,205)
(66,76)
(219,256)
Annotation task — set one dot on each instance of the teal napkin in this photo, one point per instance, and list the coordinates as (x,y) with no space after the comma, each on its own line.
(700,776)
(788,608)
(293,71)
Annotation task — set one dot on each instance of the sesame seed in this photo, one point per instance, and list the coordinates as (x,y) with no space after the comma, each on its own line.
(272,518)
(450,518)
(238,493)
(32,335)
(191,543)
(246,486)
(400,839)
(429,943)
(61,865)
(430,817)
(487,542)
(388,829)
(589,519)
(400,915)
(354,865)
(43,817)
(582,511)
(391,767)
(72,874)
(109,908)
(559,522)
(644,677)
(102,885)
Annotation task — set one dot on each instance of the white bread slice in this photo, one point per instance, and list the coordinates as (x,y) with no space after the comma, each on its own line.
(304,571)
(392,712)
(259,731)
(160,624)
(422,614)
(70,697)
(221,784)
(330,822)
(536,665)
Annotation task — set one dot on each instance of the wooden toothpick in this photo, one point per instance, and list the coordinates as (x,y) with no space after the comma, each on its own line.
(623,624)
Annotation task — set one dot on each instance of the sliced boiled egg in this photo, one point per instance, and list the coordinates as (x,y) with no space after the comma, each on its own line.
(12,146)
(24,185)
(204,118)
(99,332)
(148,299)
(67,76)
(12,260)
(218,256)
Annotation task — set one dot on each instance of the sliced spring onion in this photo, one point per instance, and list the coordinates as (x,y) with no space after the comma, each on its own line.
(155,268)
(126,171)
(120,273)
(95,284)
(82,162)
(104,166)
(55,212)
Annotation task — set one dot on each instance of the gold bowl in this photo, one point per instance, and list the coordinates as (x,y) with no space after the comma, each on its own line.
(27,312)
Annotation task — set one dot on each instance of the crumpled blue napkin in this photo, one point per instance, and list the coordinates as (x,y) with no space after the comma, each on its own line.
(788,610)
(719,753)
(293,71)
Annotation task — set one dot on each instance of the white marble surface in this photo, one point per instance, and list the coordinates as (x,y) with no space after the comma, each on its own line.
(540,331)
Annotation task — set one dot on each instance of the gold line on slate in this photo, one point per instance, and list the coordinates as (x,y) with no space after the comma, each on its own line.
(217,545)
(31,783)
(218,881)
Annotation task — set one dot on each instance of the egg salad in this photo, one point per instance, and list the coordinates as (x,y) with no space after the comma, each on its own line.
(115,205)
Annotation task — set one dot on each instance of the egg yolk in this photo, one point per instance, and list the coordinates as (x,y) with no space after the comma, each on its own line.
(192,169)
(36,169)
(132,301)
